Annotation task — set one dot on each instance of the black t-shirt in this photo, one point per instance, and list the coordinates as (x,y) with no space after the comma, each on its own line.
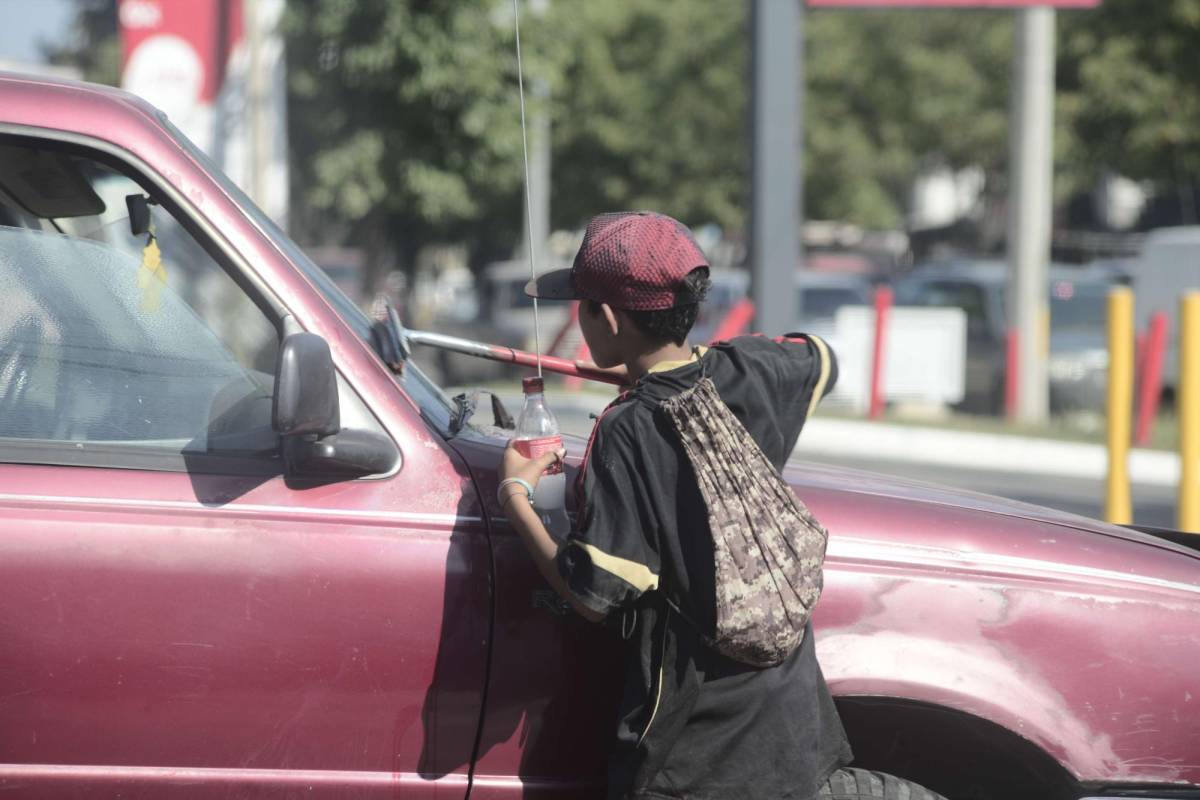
(692,723)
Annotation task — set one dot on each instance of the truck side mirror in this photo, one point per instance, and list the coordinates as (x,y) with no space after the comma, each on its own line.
(306,394)
(305,412)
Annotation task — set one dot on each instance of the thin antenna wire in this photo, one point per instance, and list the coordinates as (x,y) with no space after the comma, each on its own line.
(537,333)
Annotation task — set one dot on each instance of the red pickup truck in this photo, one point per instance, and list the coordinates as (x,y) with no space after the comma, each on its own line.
(241,555)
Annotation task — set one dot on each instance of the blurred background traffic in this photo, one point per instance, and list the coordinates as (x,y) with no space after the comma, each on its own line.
(385,137)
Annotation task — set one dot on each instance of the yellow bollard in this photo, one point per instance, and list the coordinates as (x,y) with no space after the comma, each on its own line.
(1118,506)
(1187,400)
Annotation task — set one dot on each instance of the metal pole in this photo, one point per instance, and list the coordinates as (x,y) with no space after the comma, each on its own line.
(1188,398)
(509,355)
(539,169)
(775,146)
(1118,504)
(538,225)
(1029,205)
(256,85)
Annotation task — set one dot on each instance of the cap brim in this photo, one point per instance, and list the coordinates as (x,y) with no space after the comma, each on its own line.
(555,285)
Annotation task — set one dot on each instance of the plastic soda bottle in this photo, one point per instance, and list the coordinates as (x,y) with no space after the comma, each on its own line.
(537,433)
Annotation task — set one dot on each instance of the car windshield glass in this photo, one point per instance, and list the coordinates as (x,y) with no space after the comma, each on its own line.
(428,396)
(1077,306)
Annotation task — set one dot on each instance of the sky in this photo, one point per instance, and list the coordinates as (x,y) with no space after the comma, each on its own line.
(28,23)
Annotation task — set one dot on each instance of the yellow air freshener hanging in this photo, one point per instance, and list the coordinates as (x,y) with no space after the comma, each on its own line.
(152,276)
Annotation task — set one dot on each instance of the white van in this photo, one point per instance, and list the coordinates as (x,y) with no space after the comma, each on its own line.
(1168,266)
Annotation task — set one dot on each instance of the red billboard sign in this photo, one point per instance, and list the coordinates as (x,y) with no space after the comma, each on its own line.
(952,3)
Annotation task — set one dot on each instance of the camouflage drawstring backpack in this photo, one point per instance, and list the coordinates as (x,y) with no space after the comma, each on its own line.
(767,548)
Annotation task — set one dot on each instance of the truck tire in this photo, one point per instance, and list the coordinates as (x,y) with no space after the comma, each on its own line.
(861,784)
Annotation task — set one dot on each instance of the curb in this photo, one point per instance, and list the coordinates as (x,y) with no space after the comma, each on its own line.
(979,451)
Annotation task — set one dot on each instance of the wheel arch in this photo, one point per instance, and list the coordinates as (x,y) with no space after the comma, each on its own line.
(952,752)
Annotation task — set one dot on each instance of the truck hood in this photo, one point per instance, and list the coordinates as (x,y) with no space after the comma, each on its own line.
(804,476)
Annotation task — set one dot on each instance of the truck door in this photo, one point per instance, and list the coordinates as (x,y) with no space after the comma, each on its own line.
(178,617)
(555,679)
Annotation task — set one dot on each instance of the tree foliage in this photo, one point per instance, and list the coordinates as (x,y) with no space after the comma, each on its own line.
(92,47)
(650,109)
(892,92)
(404,127)
(1129,90)
(405,122)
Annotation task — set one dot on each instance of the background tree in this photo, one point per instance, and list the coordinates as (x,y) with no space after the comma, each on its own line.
(1129,93)
(650,109)
(92,47)
(892,92)
(649,105)
(404,124)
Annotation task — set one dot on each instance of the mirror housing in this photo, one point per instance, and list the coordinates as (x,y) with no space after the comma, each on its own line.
(306,393)
(350,453)
(139,213)
(305,412)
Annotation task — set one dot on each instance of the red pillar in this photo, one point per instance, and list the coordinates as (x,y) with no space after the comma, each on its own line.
(736,321)
(1150,386)
(572,318)
(883,305)
(582,353)
(1012,355)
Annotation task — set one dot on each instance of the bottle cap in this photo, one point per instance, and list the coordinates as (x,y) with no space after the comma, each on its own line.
(534,385)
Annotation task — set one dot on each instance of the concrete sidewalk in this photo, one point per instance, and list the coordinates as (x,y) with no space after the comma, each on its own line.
(980,451)
(921,444)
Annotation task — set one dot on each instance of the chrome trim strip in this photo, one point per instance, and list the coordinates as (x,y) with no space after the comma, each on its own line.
(241,509)
(302,779)
(911,555)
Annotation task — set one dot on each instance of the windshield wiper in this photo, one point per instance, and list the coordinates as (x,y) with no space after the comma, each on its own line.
(388,340)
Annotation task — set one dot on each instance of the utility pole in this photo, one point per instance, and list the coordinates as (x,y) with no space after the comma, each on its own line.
(539,174)
(256,100)
(539,161)
(1030,206)
(775,145)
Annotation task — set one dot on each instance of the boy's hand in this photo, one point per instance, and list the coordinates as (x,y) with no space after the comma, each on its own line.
(515,465)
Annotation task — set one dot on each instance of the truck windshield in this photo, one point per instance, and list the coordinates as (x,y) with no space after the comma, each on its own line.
(424,392)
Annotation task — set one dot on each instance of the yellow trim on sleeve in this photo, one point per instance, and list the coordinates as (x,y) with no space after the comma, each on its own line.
(636,575)
(823,378)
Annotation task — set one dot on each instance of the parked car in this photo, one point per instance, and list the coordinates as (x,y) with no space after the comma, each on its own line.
(1078,361)
(818,297)
(243,557)
(821,294)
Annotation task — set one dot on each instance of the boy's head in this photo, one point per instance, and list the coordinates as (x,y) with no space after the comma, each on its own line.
(640,277)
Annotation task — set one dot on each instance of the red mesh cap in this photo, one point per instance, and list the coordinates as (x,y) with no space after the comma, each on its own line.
(633,260)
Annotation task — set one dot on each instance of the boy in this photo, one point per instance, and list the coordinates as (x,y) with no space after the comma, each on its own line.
(692,723)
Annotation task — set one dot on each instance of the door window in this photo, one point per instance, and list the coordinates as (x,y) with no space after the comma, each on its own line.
(119,335)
